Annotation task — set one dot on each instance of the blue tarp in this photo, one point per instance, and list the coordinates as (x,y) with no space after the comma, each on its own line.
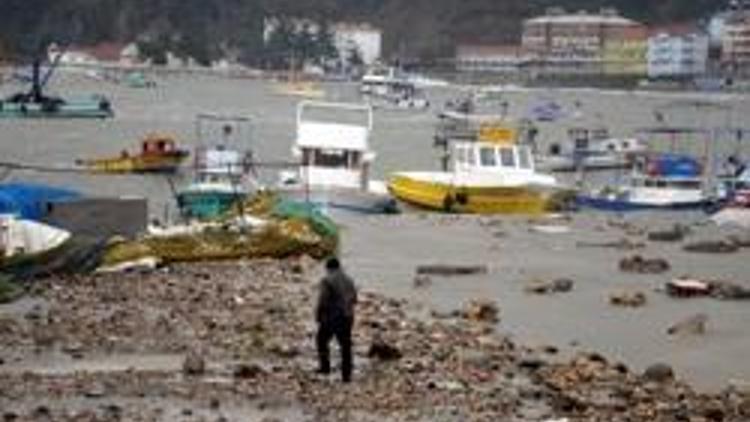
(30,201)
(674,165)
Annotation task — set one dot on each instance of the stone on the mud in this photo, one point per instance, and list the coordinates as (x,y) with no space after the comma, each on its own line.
(194,364)
(559,285)
(693,325)
(422,280)
(248,371)
(451,270)
(675,234)
(628,299)
(481,311)
(659,372)
(640,265)
(383,351)
(713,246)
(729,291)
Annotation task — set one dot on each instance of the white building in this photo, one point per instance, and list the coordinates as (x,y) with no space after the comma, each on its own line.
(676,55)
(365,39)
(490,58)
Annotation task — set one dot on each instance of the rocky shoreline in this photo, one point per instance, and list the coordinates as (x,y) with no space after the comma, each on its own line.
(234,341)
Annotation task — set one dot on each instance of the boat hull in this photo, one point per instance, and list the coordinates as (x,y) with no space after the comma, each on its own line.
(339,202)
(161,164)
(467,199)
(623,205)
(206,205)
(92,109)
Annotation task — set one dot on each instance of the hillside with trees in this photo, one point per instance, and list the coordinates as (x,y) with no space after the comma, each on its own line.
(209,29)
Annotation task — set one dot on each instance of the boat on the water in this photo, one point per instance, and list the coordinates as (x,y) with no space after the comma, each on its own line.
(657,181)
(159,154)
(221,168)
(386,88)
(335,160)
(35,104)
(590,148)
(20,237)
(492,175)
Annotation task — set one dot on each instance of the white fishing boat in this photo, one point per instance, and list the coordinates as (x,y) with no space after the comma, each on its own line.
(385,88)
(335,160)
(657,181)
(222,176)
(590,149)
(21,237)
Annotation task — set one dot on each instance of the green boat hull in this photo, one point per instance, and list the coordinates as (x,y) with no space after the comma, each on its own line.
(206,205)
(93,108)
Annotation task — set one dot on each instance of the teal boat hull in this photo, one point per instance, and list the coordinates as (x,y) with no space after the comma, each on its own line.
(90,108)
(206,205)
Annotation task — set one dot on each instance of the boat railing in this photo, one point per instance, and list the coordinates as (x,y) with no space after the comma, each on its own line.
(304,107)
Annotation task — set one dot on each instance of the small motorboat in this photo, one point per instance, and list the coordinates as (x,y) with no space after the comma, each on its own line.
(159,154)
(657,181)
(221,170)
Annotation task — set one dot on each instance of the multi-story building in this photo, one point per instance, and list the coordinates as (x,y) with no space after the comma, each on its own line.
(736,41)
(677,52)
(624,51)
(581,37)
(490,58)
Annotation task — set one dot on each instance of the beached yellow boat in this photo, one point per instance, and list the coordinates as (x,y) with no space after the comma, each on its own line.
(493,175)
(159,154)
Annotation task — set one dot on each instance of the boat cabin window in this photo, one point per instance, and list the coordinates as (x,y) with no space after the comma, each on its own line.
(487,157)
(524,158)
(685,184)
(334,158)
(507,157)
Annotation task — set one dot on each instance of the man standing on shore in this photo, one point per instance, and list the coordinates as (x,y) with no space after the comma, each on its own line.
(335,316)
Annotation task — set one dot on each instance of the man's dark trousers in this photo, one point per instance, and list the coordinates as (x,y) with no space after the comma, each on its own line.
(341,328)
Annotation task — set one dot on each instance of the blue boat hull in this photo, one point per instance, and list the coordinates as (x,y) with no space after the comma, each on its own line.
(622,205)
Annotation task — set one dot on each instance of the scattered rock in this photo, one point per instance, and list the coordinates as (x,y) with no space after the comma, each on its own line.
(713,246)
(481,311)
(675,234)
(451,270)
(194,364)
(726,290)
(685,287)
(422,280)
(560,285)
(96,391)
(248,371)
(628,299)
(659,372)
(693,325)
(383,351)
(640,265)
(284,349)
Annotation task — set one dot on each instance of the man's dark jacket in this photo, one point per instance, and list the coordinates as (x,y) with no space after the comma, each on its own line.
(337,298)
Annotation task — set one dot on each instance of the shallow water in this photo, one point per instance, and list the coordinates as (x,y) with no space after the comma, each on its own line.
(382,252)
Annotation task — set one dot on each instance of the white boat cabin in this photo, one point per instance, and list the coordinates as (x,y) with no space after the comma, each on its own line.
(332,154)
(492,157)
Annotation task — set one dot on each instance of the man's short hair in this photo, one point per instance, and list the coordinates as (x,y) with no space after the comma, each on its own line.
(333,264)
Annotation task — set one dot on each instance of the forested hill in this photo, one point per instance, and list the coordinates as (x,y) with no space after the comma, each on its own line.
(207,28)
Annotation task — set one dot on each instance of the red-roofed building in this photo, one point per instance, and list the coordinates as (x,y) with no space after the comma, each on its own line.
(102,53)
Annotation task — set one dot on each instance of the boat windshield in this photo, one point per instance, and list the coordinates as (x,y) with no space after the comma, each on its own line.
(331,158)
(487,157)
(507,157)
